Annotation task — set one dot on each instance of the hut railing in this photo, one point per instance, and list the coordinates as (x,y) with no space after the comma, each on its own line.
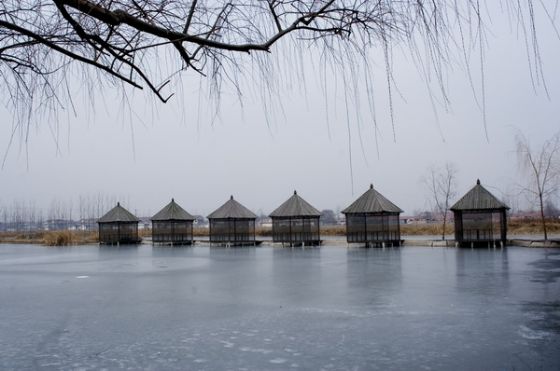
(232,230)
(172,231)
(295,230)
(372,228)
(113,233)
(482,226)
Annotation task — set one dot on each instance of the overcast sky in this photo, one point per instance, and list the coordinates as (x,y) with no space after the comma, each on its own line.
(146,152)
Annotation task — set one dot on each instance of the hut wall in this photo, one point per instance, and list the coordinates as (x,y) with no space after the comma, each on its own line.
(458,221)
(480,226)
(374,228)
(232,230)
(296,230)
(118,232)
(172,231)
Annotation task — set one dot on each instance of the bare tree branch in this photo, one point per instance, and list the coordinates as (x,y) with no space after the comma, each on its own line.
(441,183)
(542,167)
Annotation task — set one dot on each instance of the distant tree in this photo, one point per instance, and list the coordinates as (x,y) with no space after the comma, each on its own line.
(542,169)
(441,185)
(328,217)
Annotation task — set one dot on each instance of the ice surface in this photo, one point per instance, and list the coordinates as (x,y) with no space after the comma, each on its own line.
(328,308)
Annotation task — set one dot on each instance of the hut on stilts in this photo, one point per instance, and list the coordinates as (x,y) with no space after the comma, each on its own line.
(172,225)
(373,220)
(232,224)
(480,219)
(119,226)
(296,222)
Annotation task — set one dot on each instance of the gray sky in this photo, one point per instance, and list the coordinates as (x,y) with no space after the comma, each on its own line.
(145,152)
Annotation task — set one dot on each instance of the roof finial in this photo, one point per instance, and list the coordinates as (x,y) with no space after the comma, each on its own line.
(478,181)
(172,199)
(295,192)
(118,203)
(231,197)
(371,186)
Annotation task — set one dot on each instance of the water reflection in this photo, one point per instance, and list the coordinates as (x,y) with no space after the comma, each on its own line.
(547,268)
(372,275)
(484,271)
(116,250)
(238,252)
(306,284)
(543,316)
(171,251)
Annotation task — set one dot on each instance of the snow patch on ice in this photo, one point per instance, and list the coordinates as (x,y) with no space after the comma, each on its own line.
(527,333)
(227,344)
(278,361)
(255,350)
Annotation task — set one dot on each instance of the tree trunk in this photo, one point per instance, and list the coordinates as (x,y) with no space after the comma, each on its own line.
(444,223)
(542,217)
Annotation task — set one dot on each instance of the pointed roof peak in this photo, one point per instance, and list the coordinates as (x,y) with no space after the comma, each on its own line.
(371,202)
(232,209)
(478,198)
(118,214)
(231,197)
(295,192)
(295,206)
(172,199)
(371,186)
(172,211)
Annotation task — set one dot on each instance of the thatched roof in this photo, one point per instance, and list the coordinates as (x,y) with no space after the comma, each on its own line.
(479,198)
(371,202)
(172,211)
(118,214)
(295,206)
(232,210)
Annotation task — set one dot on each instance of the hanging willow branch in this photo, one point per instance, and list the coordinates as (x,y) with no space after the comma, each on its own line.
(40,39)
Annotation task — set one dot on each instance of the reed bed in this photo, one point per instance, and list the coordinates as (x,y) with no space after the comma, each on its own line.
(50,238)
(532,226)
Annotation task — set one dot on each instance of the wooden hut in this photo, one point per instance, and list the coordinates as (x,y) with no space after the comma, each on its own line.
(232,224)
(118,226)
(296,222)
(373,220)
(172,225)
(480,218)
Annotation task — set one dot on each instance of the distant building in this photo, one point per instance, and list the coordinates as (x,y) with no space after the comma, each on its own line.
(480,218)
(296,222)
(172,225)
(118,226)
(232,224)
(57,224)
(373,220)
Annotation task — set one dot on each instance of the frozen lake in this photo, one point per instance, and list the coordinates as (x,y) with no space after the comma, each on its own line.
(271,308)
